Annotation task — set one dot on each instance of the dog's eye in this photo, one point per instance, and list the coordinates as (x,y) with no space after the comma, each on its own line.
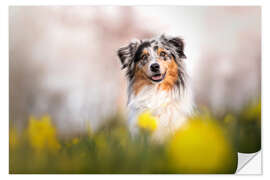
(163,54)
(144,57)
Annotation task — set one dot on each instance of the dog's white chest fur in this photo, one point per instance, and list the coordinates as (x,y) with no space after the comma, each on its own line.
(171,108)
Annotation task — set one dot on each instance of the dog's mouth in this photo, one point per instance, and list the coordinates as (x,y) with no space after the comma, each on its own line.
(158,77)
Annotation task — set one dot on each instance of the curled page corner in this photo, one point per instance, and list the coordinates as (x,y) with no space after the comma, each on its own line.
(249,163)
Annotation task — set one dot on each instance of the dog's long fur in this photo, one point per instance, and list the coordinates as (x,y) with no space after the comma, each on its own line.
(167,95)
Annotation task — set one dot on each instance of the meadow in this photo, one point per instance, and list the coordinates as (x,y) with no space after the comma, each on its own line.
(207,143)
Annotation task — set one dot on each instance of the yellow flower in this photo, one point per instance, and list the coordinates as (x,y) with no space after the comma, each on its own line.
(42,134)
(147,121)
(75,140)
(200,146)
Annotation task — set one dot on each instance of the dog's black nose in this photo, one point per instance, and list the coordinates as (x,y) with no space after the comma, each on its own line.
(154,67)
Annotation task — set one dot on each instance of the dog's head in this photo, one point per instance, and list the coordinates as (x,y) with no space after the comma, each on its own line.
(157,60)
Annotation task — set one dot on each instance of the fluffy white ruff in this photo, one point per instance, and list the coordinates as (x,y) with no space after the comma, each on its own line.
(171,108)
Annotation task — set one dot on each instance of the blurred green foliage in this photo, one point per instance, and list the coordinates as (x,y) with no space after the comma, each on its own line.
(206,144)
(244,127)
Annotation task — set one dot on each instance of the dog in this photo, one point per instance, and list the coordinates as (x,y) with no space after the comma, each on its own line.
(157,82)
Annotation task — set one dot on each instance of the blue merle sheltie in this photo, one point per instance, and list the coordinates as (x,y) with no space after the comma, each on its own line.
(157,82)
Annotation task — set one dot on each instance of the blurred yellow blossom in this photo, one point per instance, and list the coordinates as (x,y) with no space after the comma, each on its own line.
(75,140)
(200,146)
(147,121)
(42,134)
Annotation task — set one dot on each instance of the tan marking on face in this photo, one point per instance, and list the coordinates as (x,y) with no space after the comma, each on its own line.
(140,80)
(171,75)
(145,52)
(164,64)
(160,50)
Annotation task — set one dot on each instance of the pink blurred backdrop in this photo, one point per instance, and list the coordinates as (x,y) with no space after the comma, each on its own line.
(63,60)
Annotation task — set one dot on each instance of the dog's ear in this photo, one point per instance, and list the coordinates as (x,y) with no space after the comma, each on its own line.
(178,45)
(127,53)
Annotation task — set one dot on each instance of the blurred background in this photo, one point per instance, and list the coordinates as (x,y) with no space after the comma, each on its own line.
(63,60)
